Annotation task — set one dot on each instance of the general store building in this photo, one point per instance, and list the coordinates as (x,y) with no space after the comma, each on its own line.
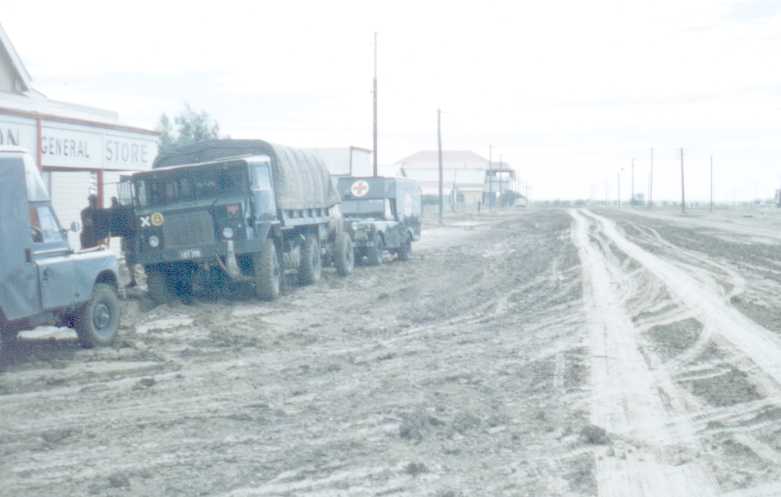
(80,150)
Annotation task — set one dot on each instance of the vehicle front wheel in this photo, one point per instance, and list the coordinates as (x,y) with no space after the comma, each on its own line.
(311,265)
(158,286)
(268,272)
(98,321)
(7,338)
(405,251)
(375,252)
(344,255)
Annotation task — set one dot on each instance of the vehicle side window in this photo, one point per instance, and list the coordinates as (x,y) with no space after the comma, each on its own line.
(262,178)
(388,211)
(45,227)
(35,225)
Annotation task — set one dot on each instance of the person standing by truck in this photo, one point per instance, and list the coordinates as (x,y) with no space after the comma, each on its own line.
(122,225)
(87,235)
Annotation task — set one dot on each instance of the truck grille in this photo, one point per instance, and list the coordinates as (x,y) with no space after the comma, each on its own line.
(188,229)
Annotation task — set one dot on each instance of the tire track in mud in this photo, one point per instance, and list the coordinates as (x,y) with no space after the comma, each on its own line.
(625,392)
(727,364)
(711,308)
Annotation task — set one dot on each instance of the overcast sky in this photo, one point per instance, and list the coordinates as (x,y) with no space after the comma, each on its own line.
(568,92)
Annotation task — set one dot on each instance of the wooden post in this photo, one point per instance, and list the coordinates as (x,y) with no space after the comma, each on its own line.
(651,182)
(711,183)
(439,155)
(683,188)
(374,107)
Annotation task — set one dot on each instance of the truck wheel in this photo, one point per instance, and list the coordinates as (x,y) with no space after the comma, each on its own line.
(181,283)
(158,286)
(268,273)
(375,252)
(405,251)
(311,266)
(7,339)
(344,256)
(98,321)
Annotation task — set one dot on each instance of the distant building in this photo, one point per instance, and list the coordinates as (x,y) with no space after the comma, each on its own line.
(80,150)
(346,161)
(468,178)
(463,173)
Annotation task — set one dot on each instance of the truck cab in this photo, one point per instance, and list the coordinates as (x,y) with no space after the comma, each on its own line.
(381,214)
(42,280)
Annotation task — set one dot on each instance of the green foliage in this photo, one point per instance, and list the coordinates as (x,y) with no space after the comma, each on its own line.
(188,127)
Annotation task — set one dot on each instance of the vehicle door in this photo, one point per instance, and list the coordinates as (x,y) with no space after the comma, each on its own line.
(53,258)
(392,226)
(263,192)
(19,296)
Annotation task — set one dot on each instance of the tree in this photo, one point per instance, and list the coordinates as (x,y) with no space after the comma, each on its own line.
(188,127)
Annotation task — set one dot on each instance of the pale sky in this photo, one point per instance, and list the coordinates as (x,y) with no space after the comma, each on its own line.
(568,92)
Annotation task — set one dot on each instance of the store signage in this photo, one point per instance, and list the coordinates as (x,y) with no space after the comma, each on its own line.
(80,145)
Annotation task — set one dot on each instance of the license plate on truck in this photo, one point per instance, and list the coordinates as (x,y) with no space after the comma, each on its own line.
(190,253)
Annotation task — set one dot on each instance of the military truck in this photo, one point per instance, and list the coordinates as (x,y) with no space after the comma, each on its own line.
(381,214)
(43,281)
(241,210)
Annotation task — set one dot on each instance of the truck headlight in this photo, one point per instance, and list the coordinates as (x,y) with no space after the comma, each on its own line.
(227,232)
(154,241)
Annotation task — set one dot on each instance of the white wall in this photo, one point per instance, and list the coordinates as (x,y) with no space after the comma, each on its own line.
(69,192)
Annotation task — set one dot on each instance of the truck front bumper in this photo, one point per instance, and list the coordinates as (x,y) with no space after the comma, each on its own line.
(202,254)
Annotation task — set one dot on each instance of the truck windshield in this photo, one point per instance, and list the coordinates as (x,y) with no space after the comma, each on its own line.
(364,208)
(188,185)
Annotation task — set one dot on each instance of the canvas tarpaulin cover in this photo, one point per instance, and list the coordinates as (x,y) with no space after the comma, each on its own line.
(301,179)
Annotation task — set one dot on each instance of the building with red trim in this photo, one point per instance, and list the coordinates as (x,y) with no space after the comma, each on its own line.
(80,150)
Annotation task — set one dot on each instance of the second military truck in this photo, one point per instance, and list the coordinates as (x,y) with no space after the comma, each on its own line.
(244,209)
(381,214)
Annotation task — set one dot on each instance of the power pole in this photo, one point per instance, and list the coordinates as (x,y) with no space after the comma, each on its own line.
(632,198)
(490,178)
(711,183)
(651,182)
(618,180)
(374,93)
(683,188)
(439,155)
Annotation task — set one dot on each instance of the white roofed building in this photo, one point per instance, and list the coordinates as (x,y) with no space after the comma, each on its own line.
(463,174)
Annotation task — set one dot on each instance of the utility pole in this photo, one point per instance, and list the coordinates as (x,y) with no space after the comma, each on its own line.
(632,198)
(490,178)
(683,188)
(711,183)
(439,155)
(651,182)
(618,180)
(374,93)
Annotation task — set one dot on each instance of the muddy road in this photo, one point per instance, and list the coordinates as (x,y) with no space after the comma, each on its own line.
(531,353)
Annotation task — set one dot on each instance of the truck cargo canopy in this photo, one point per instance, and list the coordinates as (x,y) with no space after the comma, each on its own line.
(301,179)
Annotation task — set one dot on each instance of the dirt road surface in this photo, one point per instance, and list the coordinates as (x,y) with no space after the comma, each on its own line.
(520,353)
